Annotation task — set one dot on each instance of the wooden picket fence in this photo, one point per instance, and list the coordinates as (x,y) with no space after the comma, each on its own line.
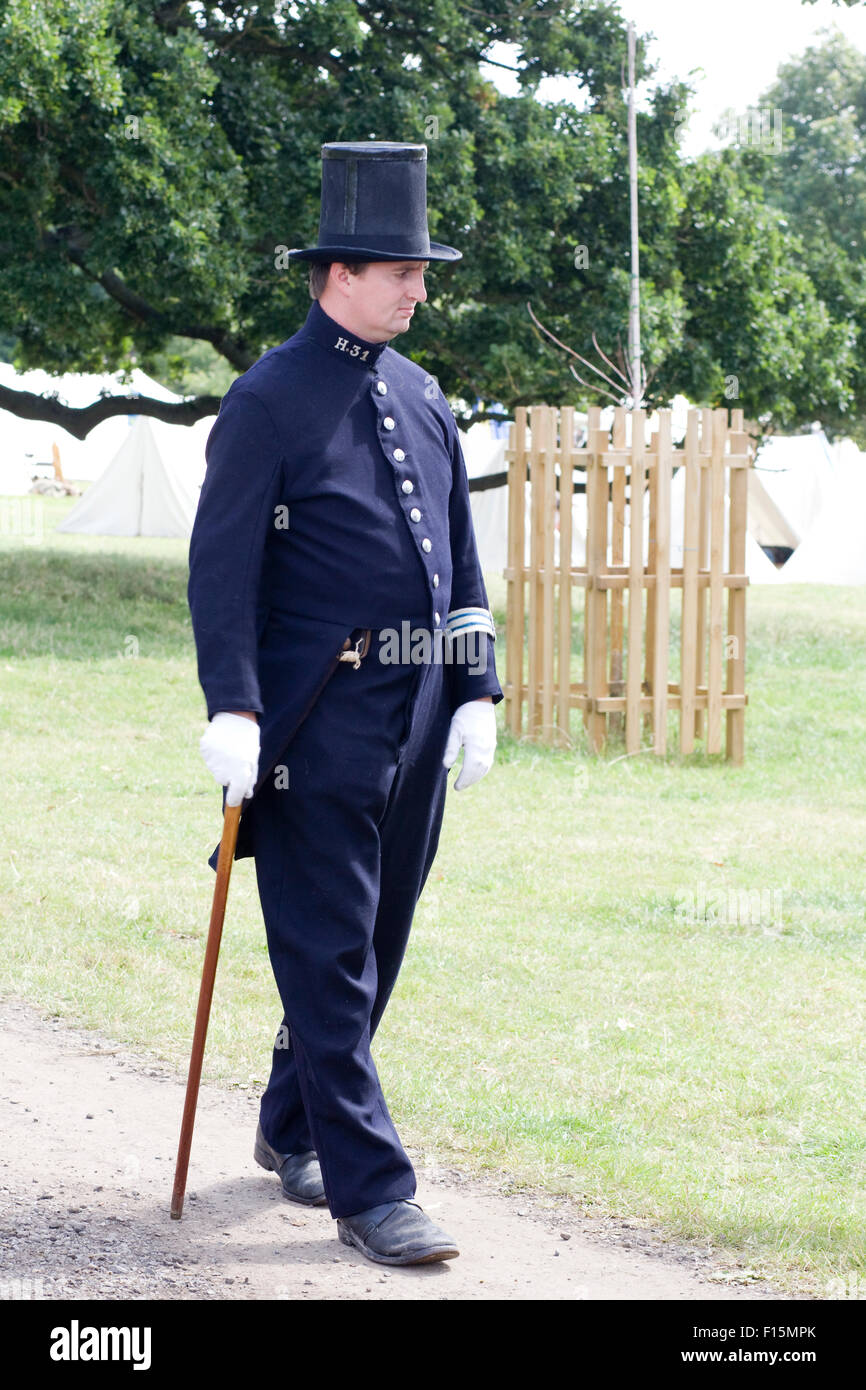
(627,645)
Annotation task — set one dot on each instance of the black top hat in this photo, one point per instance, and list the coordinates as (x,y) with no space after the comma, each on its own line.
(374,205)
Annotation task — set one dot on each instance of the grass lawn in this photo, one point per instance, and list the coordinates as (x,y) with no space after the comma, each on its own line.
(637,981)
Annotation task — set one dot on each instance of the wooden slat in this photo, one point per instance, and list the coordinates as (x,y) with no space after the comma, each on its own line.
(515,607)
(548,592)
(703,558)
(566,484)
(689,621)
(617,554)
(608,704)
(662,604)
(717,538)
(637,485)
(736,672)
(620,579)
(593,419)
(650,618)
(596,598)
(621,458)
(533,682)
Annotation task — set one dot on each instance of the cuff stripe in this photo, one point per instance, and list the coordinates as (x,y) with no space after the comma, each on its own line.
(470,620)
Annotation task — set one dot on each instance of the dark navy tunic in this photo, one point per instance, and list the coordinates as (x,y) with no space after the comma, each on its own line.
(335,499)
(335,492)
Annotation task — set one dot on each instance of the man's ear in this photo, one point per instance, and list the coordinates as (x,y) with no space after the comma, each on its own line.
(340,277)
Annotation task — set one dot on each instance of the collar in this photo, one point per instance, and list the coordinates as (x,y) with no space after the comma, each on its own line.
(331,335)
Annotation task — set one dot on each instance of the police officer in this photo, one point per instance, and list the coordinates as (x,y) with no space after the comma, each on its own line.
(345,649)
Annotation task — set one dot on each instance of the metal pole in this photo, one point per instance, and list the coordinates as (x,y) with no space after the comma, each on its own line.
(635,374)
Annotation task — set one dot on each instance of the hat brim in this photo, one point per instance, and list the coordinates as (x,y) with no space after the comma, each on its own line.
(437,252)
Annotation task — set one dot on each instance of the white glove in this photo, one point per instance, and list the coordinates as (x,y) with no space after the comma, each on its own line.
(230,748)
(473,727)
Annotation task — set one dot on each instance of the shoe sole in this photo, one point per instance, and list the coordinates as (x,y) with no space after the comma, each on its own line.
(425,1257)
(264,1160)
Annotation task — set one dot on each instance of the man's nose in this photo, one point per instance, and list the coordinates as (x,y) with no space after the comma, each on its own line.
(418,290)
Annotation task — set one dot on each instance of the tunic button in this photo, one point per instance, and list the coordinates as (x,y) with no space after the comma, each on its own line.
(436,619)
(381,388)
(435,581)
(388,422)
(415,514)
(426,544)
(408,485)
(399,455)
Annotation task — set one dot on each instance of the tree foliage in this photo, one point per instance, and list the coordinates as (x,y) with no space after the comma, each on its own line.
(814,177)
(155,156)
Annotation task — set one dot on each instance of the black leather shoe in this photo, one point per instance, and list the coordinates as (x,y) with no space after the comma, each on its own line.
(396,1233)
(300,1174)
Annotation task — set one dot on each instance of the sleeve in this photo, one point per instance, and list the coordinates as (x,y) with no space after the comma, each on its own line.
(235,512)
(472,671)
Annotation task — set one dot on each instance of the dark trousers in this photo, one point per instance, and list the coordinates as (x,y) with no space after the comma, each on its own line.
(342,852)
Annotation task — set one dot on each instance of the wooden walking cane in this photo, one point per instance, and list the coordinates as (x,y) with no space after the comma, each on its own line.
(228,842)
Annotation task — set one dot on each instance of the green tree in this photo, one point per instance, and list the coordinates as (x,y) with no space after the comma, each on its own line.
(756,331)
(155,156)
(815,177)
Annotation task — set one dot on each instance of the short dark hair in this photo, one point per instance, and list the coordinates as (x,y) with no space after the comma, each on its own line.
(320,270)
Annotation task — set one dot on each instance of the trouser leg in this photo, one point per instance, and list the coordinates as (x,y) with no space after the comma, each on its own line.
(409,832)
(319,859)
(409,836)
(282,1114)
(319,929)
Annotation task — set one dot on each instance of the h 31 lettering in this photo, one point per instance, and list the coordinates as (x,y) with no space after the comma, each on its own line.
(354,350)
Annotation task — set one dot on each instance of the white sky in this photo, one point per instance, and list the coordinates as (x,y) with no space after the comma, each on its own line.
(738,46)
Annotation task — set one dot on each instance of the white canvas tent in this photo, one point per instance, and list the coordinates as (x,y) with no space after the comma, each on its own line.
(767,524)
(833,551)
(484,455)
(26,443)
(182,446)
(787,486)
(144,492)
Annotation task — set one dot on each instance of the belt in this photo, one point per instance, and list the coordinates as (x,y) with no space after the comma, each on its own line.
(359,650)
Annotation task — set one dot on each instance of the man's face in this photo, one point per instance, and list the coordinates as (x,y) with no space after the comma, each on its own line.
(381,300)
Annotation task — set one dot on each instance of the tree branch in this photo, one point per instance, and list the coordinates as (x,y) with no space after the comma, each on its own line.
(583,360)
(80,420)
(232,349)
(254,36)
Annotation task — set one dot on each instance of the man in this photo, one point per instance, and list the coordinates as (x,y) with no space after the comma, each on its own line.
(333,533)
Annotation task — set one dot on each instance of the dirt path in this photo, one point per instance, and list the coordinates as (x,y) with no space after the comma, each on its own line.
(89,1143)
